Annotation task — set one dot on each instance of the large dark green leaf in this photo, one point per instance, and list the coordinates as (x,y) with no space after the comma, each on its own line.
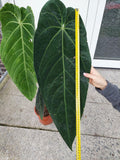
(16,48)
(54,59)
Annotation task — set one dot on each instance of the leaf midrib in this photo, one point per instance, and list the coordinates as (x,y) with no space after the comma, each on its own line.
(21,30)
(64,83)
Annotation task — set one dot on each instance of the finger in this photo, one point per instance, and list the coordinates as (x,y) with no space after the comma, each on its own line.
(88,75)
(94,71)
(90,81)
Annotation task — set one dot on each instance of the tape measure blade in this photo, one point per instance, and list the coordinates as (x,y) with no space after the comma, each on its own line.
(77,80)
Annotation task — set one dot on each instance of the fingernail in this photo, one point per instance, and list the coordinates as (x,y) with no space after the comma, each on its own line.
(84,73)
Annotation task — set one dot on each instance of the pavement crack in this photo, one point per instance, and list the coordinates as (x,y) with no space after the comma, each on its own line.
(99,136)
(24,127)
(50,130)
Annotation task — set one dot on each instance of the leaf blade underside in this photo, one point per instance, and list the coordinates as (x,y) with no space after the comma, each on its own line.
(16,48)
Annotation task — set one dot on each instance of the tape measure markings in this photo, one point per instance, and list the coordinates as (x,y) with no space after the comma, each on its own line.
(77,85)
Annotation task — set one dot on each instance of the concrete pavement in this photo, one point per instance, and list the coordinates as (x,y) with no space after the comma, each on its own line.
(22,137)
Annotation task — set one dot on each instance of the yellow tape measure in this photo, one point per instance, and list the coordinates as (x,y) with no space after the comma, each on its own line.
(77,80)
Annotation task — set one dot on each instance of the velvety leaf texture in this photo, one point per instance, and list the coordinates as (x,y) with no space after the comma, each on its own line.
(40,104)
(16,48)
(54,61)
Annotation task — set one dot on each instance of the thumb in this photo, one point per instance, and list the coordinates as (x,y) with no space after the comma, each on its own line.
(88,75)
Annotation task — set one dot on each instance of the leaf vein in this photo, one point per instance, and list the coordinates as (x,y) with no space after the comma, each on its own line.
(69,22)
(70,75)
(48,28)
(27,31)
(48,47)
(52,69)
(11,22)
(11,57)
(53,16)
(28,48)
(9,39)
(69,37)
(26,16)
(10,13)
(12,47)
(70,29)
(29,25)
(69,60)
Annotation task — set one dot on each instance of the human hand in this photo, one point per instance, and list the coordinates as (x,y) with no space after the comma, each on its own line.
(96,79)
